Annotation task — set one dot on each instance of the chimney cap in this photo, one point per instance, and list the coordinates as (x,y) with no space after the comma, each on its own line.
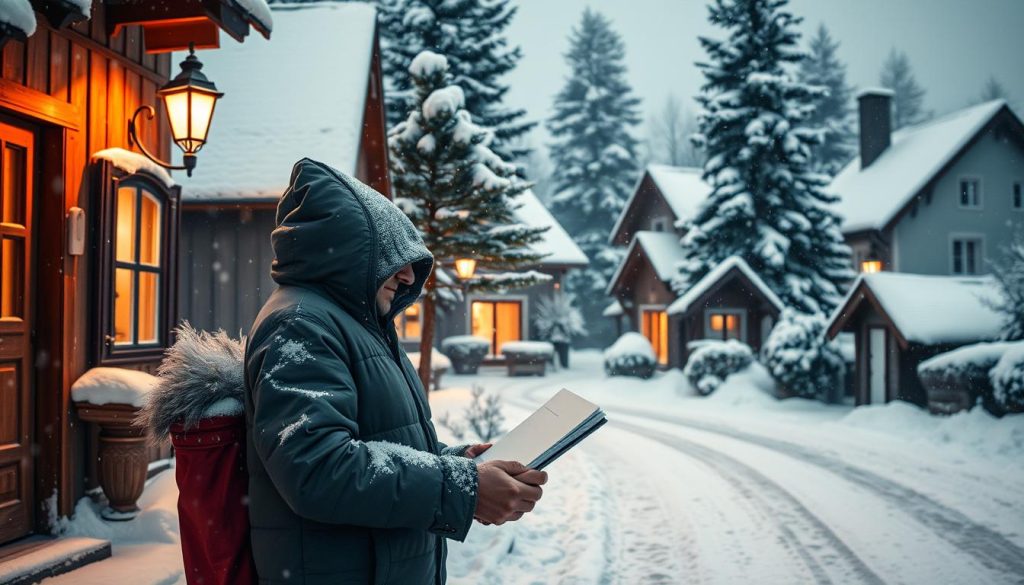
(875,91)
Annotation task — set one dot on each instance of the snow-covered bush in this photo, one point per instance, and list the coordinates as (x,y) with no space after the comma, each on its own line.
(466,352)
(630,355)
(961,376)
(714,361)
(483,416)
(1010,276)
(1008,379)
(798,356)
(558,319)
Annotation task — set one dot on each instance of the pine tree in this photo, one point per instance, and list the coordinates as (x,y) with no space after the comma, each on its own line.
(470,33)
(594,154)
(908,96)
(766,204)
(458,192)
(832,114)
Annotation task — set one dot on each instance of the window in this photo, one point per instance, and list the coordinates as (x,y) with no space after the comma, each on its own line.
(970,193)
(869,266)
(725,324)
(497,321)
(138,224)
(409,323)
(1018,197)
(654,326)
(966,257)
(659,224)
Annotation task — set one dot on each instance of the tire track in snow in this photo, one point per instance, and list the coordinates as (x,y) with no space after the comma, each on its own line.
(817,546)
(990,548)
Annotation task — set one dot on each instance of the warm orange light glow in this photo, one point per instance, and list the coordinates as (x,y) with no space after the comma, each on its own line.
(149,252)
(190,131)
(869,266)
(717,322)
(408,322)
(123,294)
(497,321)
(124,240)
(655,329)
(465,268)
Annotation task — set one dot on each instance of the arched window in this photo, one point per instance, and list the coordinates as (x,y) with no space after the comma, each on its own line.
(138,218)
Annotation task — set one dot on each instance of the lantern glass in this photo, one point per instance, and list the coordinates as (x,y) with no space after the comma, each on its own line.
(465,268)
(189,111)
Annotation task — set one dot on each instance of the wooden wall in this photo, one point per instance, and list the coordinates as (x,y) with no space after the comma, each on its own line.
(78,88)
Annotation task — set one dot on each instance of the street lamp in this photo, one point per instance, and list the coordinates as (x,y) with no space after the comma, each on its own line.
(189,100)
(465,268)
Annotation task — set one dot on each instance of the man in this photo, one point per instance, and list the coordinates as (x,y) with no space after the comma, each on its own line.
(348,483)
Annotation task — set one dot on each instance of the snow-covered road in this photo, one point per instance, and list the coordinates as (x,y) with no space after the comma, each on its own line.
(679,491)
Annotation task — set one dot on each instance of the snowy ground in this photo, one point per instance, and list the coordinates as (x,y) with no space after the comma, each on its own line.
(734,488)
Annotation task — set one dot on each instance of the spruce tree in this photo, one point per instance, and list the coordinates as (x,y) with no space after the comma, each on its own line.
(594,154)
(471,34)
(832,113)
(908,96)
(767,205)
(458,192)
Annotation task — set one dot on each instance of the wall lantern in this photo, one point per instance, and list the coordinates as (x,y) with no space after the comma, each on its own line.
(189,100)
(871,266)
(465,268)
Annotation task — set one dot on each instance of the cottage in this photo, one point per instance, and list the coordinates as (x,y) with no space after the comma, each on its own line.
(88,261)
(900,320)
(501,317)
(269,121)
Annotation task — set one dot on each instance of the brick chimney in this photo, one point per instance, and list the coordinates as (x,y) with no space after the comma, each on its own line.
(875,123)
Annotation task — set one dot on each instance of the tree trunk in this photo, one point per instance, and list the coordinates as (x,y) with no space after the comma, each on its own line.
(427,332)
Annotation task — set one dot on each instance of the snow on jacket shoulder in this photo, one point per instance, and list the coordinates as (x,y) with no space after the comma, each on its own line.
(347,480)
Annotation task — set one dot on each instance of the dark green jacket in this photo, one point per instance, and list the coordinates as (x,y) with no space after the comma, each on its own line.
(348,483)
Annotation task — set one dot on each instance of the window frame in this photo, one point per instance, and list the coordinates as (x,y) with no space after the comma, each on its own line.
(709,332)
(106,183)
(660,311)
(980,253)
(524,307)
(660,224)
(980,190)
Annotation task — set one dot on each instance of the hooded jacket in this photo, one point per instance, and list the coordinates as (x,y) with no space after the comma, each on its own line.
(347,481)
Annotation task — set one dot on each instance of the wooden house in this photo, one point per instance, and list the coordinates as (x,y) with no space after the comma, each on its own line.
(317,94)
(88,248)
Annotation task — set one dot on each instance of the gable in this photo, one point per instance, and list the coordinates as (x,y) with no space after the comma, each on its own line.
(637,278)
(646,202)
(731,269)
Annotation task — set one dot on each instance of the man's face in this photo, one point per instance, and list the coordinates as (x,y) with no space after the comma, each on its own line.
(386,293)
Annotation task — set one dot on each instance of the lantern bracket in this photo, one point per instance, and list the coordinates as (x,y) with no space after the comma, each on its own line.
(133,138)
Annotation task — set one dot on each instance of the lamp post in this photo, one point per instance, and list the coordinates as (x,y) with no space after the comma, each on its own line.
(189,100)
(465,268)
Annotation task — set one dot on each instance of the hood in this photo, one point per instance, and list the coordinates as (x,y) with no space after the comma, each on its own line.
(339,237)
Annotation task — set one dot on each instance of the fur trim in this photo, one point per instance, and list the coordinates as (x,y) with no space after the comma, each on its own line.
(201,370)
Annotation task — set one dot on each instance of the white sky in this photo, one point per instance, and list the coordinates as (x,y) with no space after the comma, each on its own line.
(953,45)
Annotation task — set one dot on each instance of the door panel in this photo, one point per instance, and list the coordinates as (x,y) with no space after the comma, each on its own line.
(876,365)
(17,152)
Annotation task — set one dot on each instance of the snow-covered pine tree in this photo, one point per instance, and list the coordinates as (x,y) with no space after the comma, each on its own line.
(471,34)
(832,114)
(908,96)
(594,156)
(458,193)
(766,204)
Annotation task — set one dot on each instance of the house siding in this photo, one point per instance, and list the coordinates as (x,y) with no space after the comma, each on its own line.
(922,237)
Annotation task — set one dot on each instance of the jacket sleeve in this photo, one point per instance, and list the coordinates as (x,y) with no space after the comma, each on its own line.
(305,432)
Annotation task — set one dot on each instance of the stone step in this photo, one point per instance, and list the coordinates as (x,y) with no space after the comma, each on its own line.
(38,557)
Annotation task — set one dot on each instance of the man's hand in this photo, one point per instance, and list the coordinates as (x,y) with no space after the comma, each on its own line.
(507,490)
(473,450)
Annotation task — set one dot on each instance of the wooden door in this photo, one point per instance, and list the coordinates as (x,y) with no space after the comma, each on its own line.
(16,396)
(497,321)
(876,365)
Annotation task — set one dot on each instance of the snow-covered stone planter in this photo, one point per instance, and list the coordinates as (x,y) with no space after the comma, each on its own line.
(466,352)
(955,380)
(112,398)
(715,361)
(439,364)
(527,358)
(630,355)
(1008,379)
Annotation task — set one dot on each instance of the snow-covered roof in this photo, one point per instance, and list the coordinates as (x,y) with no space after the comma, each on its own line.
(929,309)
(259,11)
(302,94)
(556,243)
(613,310)
(870,198)
(682,304)
(684,190)
(133,162)
(18,14)
(661,249)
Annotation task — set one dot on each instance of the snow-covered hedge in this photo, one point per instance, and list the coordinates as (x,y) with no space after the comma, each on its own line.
(714,361)
(1008,379)
(630,355)
(964,370)
(466,352)
(800,358)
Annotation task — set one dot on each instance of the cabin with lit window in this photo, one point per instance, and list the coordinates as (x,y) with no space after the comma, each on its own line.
(505,316)
(88,249)
(265,123)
